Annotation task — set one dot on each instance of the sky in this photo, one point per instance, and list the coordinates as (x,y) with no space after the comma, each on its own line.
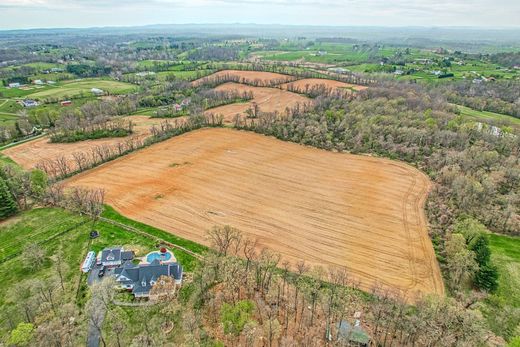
(22,14)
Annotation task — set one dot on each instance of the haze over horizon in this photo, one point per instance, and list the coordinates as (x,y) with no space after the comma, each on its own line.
(25,14)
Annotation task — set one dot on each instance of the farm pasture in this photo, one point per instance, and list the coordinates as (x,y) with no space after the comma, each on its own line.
(77,87)
(330,209)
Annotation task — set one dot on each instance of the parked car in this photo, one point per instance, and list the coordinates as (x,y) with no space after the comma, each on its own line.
(101,272)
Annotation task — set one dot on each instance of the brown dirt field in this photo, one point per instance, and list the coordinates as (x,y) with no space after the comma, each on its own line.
(311,82)
(247,76)
(269,100)
(327,208)
(30,153)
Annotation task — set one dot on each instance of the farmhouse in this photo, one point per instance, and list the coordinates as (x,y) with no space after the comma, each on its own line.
(14,85)
(141,278)
(37,82)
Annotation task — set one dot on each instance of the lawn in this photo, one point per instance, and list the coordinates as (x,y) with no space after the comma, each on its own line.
(9,106)
(505,253)
(69,89)
(7,119)
(485,115)
(499,308)
(29,227)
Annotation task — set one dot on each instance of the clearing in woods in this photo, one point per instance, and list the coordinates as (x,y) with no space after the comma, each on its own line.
(327,208)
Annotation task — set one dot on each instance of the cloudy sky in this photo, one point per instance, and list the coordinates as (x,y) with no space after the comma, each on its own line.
(87,13)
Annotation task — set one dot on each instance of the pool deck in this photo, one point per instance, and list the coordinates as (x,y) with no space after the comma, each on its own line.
(172,259)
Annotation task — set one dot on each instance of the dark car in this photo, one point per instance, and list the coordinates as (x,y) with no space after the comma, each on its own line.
(101,272)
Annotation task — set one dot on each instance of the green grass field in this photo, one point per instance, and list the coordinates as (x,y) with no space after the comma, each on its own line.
(7,119)
(183,75)
(499,308)
(506,256)
(68,89)
(485,115)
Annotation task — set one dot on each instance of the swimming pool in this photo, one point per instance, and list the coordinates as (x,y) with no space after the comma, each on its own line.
(158,255)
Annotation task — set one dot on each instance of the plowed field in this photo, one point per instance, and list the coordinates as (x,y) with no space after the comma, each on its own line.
(268,100)
(327,208)
(30,153)
(247,77)
(307,83)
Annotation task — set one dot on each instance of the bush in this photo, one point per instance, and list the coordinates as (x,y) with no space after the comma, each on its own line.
(235,317)
(22,334)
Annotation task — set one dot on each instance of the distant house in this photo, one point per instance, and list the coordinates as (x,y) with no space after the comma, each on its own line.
(29,103)
(14,85)
(141,278)
(37,82)
(338,70)
(185,102)
(145,73)
(51,82)
(115,256)
(66,103)
(423,61)
(321,53)
(97,91)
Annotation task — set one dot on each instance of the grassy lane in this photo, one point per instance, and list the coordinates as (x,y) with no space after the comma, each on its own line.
(112,214)
(501,308)
(485,115)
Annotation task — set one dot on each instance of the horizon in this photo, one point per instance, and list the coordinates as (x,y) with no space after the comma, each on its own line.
(223,24)
(82,14)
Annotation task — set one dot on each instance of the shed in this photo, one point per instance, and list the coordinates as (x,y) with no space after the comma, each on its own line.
(355,335)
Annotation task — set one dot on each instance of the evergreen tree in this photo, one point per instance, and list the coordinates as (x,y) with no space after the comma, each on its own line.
(487,278)
(481,248)
(7,203)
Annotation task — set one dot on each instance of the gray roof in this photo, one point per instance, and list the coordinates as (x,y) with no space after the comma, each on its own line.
(127,255)
(141,276)
(111,254)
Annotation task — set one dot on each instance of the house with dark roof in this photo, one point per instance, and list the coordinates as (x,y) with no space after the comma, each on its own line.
(29,103)
(141,278)
(115,256)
